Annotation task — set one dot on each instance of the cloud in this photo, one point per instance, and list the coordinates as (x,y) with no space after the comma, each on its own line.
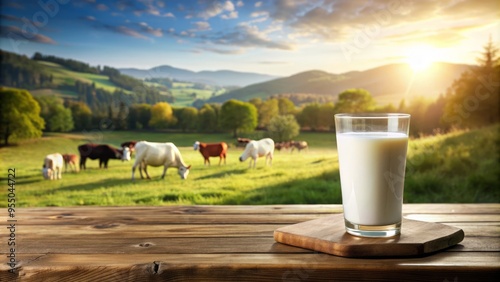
(213,8)
(123,30)
(230,15)
(338,20)
(258,4)
(274,63)
(89,18)
(15,33)
(202,26)
(259,14)
(10,18)
(144,27)
(248,36)
(221,51)
(102,7)
(169,15)
(240,4)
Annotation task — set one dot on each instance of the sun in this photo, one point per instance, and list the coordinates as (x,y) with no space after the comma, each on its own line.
(420,58)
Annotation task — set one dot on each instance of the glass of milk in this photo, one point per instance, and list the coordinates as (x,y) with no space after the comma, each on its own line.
(372,159)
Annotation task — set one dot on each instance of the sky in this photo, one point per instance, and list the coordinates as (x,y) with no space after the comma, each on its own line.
(280,37)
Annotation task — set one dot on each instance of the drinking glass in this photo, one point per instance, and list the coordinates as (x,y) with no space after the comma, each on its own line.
(372,159)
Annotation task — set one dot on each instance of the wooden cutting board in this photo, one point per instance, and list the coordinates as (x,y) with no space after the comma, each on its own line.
(328,235)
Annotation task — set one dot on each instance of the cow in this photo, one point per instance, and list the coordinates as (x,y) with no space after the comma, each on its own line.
(299,145)
(102,152)
(282,145)
(52,166)
(242,142)
(130,145)
(256,149)
(71,160)
(159,154)
(208,150)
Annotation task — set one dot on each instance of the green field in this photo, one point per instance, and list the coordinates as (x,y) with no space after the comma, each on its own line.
(456,167)
(182,92)
(63,76)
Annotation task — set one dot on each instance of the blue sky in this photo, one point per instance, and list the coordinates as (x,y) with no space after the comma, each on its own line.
(281,37)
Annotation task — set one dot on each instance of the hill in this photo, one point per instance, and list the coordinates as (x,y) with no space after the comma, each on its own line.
(220,77)
(100,88)
(389,83)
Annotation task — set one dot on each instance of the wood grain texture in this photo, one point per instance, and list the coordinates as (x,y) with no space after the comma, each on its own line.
(230,243)
(328,235)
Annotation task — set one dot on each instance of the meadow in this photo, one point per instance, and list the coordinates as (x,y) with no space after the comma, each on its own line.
(458,167)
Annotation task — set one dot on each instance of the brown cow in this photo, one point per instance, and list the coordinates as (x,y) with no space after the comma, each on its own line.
(282,145)
(101,152)
(242,142)
(300,145)
(71,160)
(130,145)
(211,150)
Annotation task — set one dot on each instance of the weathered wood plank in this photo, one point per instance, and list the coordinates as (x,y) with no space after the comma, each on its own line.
(103,218)
(261,267)
(258,209)
(480,229)
(84,244)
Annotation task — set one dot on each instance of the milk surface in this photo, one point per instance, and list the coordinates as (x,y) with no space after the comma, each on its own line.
(372,166)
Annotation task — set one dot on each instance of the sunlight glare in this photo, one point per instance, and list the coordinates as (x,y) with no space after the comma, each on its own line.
(421,57)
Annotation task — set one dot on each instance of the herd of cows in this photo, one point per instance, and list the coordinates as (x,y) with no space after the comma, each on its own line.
(161,154)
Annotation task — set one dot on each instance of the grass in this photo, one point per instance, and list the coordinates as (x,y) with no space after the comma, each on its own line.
(64,76)
(182,92)
(457,167)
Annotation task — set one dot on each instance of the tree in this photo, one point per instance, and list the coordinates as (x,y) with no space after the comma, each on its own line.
(310,116)
(82,115)
(208,118)
(162,116)
(60,119)
(121,117)
(326,116)
(286,106)
(355,101)
(473,100)
(267,111)
(57,117)
(188,118)
(238,116)
(283,128)
(138,116)
(19,115)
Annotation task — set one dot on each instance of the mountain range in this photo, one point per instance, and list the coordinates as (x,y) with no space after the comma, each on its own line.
(219,78)
(387,84)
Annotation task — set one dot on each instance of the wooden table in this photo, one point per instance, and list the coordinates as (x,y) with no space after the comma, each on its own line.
(228,243)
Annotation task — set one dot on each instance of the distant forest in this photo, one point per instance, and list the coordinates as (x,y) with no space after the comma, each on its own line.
(22,72)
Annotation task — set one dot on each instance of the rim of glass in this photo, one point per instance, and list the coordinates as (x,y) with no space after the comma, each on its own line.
(372,115)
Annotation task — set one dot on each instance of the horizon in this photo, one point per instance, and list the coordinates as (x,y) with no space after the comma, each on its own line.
(279,38)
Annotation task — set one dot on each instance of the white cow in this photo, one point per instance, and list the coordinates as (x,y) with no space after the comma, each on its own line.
(158,154)
(256,149)
(53,166)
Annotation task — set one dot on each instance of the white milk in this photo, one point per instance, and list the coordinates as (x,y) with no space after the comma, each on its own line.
(372,166)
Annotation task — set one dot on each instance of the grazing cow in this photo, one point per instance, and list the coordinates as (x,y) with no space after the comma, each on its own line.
(71,160)
(159,154)
(130,145)
(242,142)
(52,166)
(300,145)
(102,152)
(256,149)
(282,145)
(208,150)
